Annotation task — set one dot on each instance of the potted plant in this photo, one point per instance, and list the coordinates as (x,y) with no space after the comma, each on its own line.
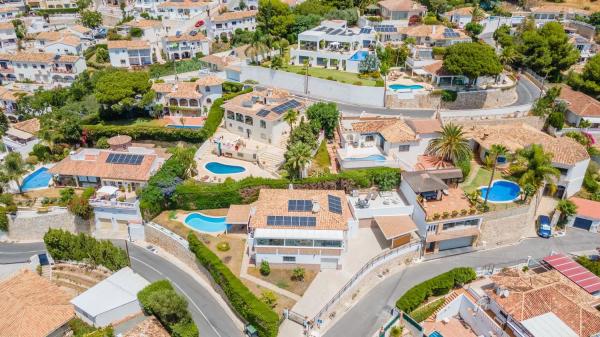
(445,215)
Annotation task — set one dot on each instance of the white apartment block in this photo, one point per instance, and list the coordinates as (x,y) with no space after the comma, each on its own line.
(8,13)
(333,45)
(185,46)
(8,38)
(152,30)
(49,4)
(227,23)
(42,68)
(129,54)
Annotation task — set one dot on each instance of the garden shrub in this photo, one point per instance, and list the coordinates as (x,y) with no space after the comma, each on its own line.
(243,301)
(437,286)
(449,95)
(265,269)
(424,312)
(95,132)
(591,265)
(64,245)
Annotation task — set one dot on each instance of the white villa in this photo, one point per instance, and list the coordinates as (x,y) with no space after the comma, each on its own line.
(9,13)
(185,46)
(391,142)
(43,68)
(9,98)
(227,23)
(290,228)
(8,38)
(59,42)
(185,9)
(547,13)
(22,136)
(460,16)
(258,115)
(152,30)
(129,54)
(333,45)
(400,12)
(580,107)
(190,99)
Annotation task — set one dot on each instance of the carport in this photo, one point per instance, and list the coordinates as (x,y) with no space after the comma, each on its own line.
(398,230)
(238,217)
(588,215)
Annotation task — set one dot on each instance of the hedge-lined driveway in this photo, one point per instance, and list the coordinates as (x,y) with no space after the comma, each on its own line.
(368,315)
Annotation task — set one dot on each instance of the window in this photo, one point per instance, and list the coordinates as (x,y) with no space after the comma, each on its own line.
(369,138)
(230,115)
(263,124)
(403,148)
(457,224)
(328,243)
(239,117)
(299,242)
(289,259)
(249,121)
(269,242)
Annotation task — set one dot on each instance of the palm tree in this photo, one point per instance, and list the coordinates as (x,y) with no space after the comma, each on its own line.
(508,56)
(477,14)
(257,47)
(291,117)
(297,157)
(566,208)
(496,151)
(384,69)
(451,145)
(14,168)
(533,166)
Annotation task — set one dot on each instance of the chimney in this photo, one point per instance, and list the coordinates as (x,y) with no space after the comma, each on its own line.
(269,92)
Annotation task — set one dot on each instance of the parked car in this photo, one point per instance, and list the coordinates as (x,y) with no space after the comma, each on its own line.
(250,331)
(544,229)
(100,33)
(199,23)
(193,32)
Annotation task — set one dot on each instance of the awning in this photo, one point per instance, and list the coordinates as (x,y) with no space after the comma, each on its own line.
(19,134)
(421,72)
(273,233)
(395,226)
(108,190)
(238,214)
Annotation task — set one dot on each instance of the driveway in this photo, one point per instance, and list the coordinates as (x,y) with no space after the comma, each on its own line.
(372,311)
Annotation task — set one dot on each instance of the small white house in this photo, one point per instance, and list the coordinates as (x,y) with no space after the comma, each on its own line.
(128,54)
(8,37)
(111,300)
(460,16)
(227,23)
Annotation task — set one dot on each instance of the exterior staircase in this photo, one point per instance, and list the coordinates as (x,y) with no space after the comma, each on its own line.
(271,160)
(449,298)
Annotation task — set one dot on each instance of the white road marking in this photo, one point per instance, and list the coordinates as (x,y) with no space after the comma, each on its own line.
(145,264)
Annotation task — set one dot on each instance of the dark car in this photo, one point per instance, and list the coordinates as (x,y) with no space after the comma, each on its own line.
(544,229)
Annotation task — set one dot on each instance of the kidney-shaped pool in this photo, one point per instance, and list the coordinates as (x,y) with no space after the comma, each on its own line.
(218,168)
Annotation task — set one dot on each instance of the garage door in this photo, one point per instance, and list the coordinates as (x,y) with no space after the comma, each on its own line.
(456,243)
(582,223)
(329,263)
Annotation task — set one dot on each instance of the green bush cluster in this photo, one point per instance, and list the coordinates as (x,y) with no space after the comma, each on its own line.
(64,245)
(229,87)
(160,299)
(240,297)
(449,95)
(95,132)
(424,312)
(591,265)
(183,66)
(437,286)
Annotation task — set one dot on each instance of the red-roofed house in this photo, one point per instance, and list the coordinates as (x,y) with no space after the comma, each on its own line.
(588,215)
(580,106)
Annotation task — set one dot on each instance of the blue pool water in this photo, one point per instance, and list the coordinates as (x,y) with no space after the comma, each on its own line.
(501,191)
(374,157)
(37,179)
(435,334)
(218,168)
(359,55)
(404,86)
(206,223)
(184,126)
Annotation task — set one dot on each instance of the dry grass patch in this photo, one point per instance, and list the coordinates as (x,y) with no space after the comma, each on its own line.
(283,302)
(283,279)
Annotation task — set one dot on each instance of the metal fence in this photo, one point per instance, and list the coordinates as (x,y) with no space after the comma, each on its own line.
(372,263)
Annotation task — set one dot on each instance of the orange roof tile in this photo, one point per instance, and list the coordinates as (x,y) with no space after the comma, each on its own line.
(186,37)
(587,208)
(128,44)
(30,126)
(183,4)
(228,16)
(209,80)
(393,130)
(580,103)
(150,327)
(400,5)
(143,23)
(425,125)
(7,25)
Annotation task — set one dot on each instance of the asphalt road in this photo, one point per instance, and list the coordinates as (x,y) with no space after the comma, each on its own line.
(370,313)
(211,319)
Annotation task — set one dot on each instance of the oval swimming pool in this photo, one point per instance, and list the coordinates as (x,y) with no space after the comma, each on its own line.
(405,86)
(205,223)
(501,191)
(38,179)
(218,168)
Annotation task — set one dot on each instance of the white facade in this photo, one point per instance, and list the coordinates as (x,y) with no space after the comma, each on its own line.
(61,48)
(8,13)
(575,119)
(125,55)
(185,46)
(44,68)
(228,23)
(8,38)
(572,179)
(112,217)
(185,10)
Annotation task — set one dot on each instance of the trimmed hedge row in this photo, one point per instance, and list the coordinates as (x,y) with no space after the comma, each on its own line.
(95,132)
(245,303)
(439,285)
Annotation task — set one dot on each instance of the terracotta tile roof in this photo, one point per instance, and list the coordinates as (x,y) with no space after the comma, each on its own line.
(426,162)
(184,90)
(274,97)
(220,61)
(210,80)
(559,9)
(143,23)
(580,103)
(162,87)
(128,44)
(238,214)
(435,32)
(119,140)
(11,94)
(436,68)
(94,164)
(228,16)
(150,327)
(515,136)
(80,29)
(8,9)
(69,40)
(30,126)
(587,208)
(68,58)
(184,4)
(425,125)
(393,130)
(6,25)
(49,36)
(395,226)
(275,202)
(32,57)
(400,5)
(531,295)
(463,11)
(186,37)
(32,306)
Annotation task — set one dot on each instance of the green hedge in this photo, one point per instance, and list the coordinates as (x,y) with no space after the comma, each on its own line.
(247,305)
(591,265)
(424,312)
(437,286)
(51,11)
(95,132)
(64,245)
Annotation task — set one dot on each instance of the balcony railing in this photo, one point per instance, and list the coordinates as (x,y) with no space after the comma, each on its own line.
(63,70)
(112,204)
(8,70)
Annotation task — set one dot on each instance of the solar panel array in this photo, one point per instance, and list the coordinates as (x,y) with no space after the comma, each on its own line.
(385,29)
(300,205)
(365,30)
(263,113)
(335,204)
(448,32)
(291,221)
(291,104)
(122,158)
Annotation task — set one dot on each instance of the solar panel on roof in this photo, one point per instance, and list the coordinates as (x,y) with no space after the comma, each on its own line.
(286,106)
(291,221)
(263,113)
(335,204)
(299,205)
(124,158)
(575,272)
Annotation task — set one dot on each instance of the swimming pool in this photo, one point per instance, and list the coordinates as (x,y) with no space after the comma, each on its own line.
(39,178)
(205,223)
(373,157)
(435,334)
(405,86)
(501,191)
(359,55)
(218,168)
(184,126)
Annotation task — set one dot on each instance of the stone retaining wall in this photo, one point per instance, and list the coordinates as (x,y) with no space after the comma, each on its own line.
(481,99)
(29,225)
(508,226)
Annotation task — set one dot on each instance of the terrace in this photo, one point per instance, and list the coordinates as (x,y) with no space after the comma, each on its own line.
(452,203)
(367,204)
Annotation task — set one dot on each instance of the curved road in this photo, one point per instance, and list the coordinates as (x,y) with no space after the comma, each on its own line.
(210,317)
(372,311)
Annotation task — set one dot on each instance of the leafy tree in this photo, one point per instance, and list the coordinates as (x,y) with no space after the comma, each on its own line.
(265,268)
(61,126)
(534,167)
(503,37)
(3,123)
(315,7)
(472,60)
(298,274)
(83,4)
(102,55)
(90,19)
(66,195)
(291,117)
(14,167)
(451,145)
(242,5)
(566,208)
(20,28)
(169,306)
(477,14)
(276,62)
(137,32)
(269,298)
(274,17)
(589,80)
(80,205)
(241,37)
(301,24)
(304,133)
(296,158)
(121,92)
(257,47)
(349,14)
(474,29)
(324,116)
(496,151)
(509,55)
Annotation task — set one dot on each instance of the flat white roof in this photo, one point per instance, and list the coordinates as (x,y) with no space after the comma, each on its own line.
(548,325)
(117,290)
(273,233)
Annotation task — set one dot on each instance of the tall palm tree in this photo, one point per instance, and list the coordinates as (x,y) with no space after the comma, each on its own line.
(297,157)
(495,151)
(508,56)
(291,117)
(533,166)
(477,14)
(257,47)
(566,208)
(384,69)
(14,168)
(451,145)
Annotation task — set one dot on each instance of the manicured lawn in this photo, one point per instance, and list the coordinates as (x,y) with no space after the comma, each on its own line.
(422,313)
(481,178)
(137,122)
(330,74)
(322,159)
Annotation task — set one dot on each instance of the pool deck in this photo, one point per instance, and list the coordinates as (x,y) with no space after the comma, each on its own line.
(187,121)
(252,169)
